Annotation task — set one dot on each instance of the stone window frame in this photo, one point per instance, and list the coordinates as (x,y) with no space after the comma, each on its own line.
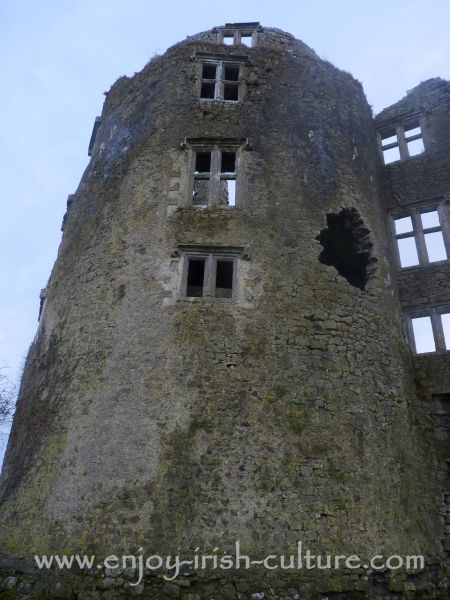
(211,254)
(434,313)
(222,61)
(216,146)
(415,210)
(398,129)
(237,31)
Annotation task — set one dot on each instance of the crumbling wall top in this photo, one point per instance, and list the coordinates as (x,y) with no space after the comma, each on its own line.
(423,98)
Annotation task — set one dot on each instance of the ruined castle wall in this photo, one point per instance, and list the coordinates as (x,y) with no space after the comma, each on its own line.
(146,419)
(422,183)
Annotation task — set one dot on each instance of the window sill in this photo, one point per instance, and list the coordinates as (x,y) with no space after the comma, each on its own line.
(220,100)
(206,206)
(404,160)
(436,354)
(438,263)
(206,300)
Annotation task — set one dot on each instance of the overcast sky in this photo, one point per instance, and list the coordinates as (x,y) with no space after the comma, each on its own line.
(58,57)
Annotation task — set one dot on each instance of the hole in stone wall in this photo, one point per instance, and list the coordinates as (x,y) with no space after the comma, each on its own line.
(347,247)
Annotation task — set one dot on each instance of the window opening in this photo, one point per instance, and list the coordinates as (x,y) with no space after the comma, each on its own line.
(215,177)
(228,162)
(228,39)
(220,81)
(224,279)
(231,82)
(209,71)
(239,33)
(431,332)
(445,318)
(195,277)
(408,252)
(210,272)
(401,142)
(420,238)
(202,162)
(246,39)
(391,155)
(423,335)
(228,178)
(202,176)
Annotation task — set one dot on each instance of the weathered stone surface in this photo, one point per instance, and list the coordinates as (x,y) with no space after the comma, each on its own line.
(149,421)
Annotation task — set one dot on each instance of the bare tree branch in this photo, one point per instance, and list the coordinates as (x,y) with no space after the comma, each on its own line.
(7,399)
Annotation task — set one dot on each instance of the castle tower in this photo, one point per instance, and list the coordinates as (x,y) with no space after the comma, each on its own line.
(221,354)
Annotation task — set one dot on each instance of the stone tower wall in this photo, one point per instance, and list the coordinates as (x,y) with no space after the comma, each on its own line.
(288,413)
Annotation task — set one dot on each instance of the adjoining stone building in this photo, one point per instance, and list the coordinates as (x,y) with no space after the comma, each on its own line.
(230,346)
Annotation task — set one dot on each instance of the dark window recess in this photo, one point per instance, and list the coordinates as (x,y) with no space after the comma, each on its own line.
(209,71)
(208,89)
(347,247)
(231,91)
(224,279)
(228,162)
(203,162)
(220,81)
(231,73)
(195,278)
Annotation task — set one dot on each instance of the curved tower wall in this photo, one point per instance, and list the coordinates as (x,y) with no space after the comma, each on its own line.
(287,413)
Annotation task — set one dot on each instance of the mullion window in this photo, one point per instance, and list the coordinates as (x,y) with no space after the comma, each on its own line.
(401,142)
(420,239)
(214,177)
(220,80)
(238,36)
(430,331)
(210,275)
(422,242)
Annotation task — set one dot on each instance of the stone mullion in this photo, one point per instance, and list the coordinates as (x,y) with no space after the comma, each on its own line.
(219,81)
(402,144)
(215,176)
(208,283)
(420,238)
(438,331)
